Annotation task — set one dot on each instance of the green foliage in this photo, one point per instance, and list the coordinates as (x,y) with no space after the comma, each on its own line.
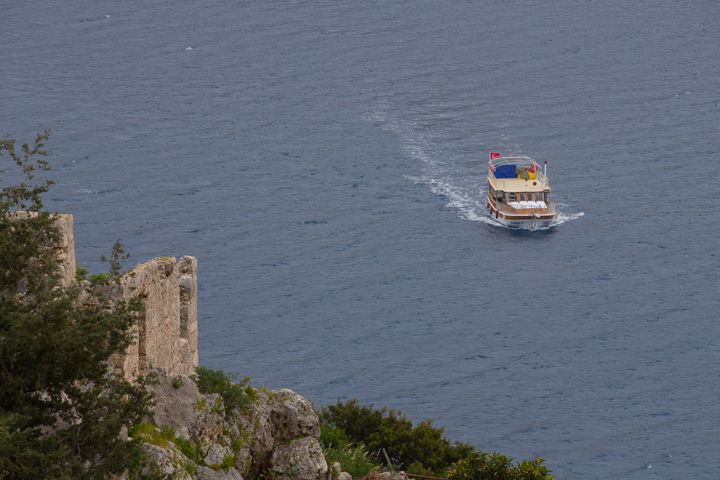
(117,255)
(337,448)
(81,273)
(100,278)
(189,449)
(177,382)
(419,449)
(495,466)
(61,411)
(228,462)
(149,433)
(332,436)
(28,194)
(234,395)
(162,437)
(354,460)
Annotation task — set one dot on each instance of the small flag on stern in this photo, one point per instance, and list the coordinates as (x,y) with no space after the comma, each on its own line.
(494,155)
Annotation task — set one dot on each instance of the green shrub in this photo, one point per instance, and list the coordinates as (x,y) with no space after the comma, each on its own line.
(419,449)
(100,278)
(235,395)
(228,462)
(354,460)
(149,433)
(495,466)
(177,382)
(331,437)
(189,449)
(80,273)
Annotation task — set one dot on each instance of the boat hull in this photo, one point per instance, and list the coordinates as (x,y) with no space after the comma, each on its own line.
(525,221)
(532,224)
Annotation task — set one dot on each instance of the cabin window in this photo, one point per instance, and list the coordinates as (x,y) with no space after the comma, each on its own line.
(511,197)
(499,195)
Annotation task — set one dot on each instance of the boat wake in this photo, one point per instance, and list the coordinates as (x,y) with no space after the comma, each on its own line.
(463,186)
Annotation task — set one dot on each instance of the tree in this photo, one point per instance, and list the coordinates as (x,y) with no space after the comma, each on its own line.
(61,410)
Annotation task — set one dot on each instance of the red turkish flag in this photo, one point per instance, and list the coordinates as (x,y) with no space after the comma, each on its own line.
(494,155)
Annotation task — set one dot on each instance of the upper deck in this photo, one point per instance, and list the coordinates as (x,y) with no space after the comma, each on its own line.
(517,174)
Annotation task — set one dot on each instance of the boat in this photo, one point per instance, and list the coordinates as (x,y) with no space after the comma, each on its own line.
(518,193)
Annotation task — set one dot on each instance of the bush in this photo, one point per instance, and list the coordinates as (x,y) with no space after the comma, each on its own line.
(494,466)
(61,413)
(234,395)
(331,436)
(354,460)
(419,449)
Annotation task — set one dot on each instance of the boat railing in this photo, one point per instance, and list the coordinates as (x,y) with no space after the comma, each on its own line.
(521,161)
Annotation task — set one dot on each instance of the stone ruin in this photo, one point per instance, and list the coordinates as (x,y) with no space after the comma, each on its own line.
(166,336)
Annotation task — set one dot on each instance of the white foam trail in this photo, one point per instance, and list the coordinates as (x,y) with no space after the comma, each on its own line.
(466,193)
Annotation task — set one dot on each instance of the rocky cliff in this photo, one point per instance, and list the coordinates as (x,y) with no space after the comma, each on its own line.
(197,436)
(194,435)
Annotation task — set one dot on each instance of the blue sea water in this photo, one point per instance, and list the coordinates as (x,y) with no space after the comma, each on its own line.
(325,162)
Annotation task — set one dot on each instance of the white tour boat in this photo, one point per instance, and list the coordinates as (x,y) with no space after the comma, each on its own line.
(518,192)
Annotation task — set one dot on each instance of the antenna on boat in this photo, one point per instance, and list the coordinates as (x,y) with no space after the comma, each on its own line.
(545,172)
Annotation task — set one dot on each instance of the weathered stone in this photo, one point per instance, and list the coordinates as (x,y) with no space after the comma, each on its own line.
(205,473)
(170,462)
(293,417)
(208,422)
(344,476)
(301,459)
(214,454)
(166,335)
(188,313)
(175,407)
(253,428)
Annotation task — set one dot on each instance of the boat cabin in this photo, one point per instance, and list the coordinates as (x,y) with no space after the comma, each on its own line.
(518,190)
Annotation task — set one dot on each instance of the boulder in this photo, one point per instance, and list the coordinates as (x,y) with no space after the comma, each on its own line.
(214,454)
(171,463)
(208,421)
(205,473)
(301,459)
(175,406)
(293,417)
(253,433)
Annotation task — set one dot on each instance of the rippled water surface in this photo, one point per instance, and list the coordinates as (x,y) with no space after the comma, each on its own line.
(325,162)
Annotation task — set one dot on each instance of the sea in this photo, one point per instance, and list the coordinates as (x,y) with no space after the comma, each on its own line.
(326,163)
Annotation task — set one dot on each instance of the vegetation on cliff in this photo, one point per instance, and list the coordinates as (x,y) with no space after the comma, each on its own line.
(61,413)
(421,449)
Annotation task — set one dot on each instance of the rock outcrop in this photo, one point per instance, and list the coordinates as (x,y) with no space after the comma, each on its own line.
(275,435)
(196,436)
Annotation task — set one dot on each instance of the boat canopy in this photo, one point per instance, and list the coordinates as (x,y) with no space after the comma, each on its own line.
(517,167)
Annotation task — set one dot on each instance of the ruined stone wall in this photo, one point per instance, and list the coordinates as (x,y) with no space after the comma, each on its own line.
(166,336)
(167,332)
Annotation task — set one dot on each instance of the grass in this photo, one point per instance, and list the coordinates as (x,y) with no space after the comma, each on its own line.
(149,433)
(353,460)
(235,395)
